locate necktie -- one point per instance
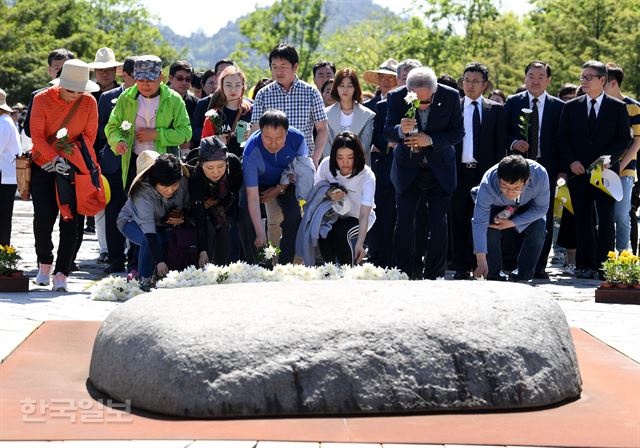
(534, 129)
(592, 116)
(476, 129)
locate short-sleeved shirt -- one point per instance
(302, 104)
(361, 188)
(262, 168)
(633, 109)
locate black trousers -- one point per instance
(7, 197)
(380, 237)
(424, 192)
(541, 265)
(45, 213)
(336, 246)
(593, 244)
(461, 213)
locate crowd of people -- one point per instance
(425, 174)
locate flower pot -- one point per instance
(630, 296)
(14, 282)
(606, 285)
(621, 285)
(636, 286)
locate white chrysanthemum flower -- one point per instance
(410, 97)
(210, 113)
(125, 126)
(269, 252)
(62, 133)
(561, 182)
(527, 111)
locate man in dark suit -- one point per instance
(540, 143)
(111, 167)
(424, 168)
(483, 146)
(592, 125)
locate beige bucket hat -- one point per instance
(75, 77)
(3, 102)
(105, 58)
(388, 67)
(144, 162)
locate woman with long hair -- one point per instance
(227, 108)
(353, 186)
(348, 113)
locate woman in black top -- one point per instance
(213, 189)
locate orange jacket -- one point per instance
(47, 113)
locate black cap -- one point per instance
(212, 148)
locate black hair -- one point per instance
(477, 67)
(61, 54)
(538, 64)
(166, 171)
(353, 76)
(614, 71)
(499, 93)
(219, 62)
(447, 80)
(274, 118)
(325, 84)
(286, 52)
(196, 80)
(514, 168)
(128, 65)
(349, 140)
(180, 65)
(321, 64)
(568, 89)
(260, 85)
(599, 67)
(206, 75)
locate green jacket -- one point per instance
(172, 123)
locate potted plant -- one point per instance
(621, 279)
(11, 279)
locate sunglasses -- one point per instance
(182, 79)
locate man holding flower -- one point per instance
(423, 171)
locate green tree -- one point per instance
(297, 22)
(30, 29)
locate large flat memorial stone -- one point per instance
(336, 347)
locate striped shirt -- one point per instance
(302, 104)
(633, 109)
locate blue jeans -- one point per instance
(533, 239)
(146, 263)
(621, 215)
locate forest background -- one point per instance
(443, 34)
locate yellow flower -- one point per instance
(625, 254)
(11, 250)
(612, 255)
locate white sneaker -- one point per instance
(569, 269)
(59, 282)
(44, 274)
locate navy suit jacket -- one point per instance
(445, 126)
(493, 136)
(110, 163)
(611, 136)
(197, 120)
(550, 151)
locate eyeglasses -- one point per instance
(589, 77)
(511, 190)
(473, 82)
(182, 79)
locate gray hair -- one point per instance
(408, 65)
(422, 77)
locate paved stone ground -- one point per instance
(22, 313)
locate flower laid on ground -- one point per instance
(621, 269)
(216, 120)
(118, 289)
(267, 254)
(63, 144)
(125, 127)
(9, 258)
(525, 123)
(412, 100)
(115, 289)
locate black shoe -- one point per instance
(114, 267)
(586, 273)
(103, 258)
(515, 278)
(542, 275)
(502, 277)
(461, 275)
(74, 267)
(90, 229)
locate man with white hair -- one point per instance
(426, 128)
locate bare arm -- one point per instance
(321, 141)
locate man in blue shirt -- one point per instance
(267, 155)
(513, 193)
